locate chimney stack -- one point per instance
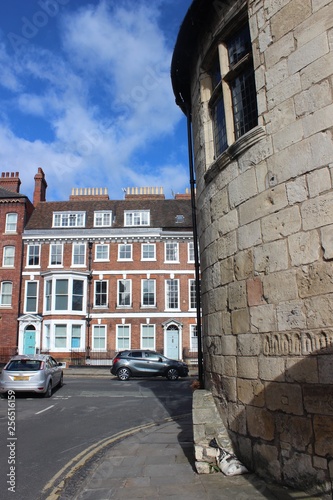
(10, 181)
(40, 187)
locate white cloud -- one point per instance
(105, 96)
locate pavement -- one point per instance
(156, 461)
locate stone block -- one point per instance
(229, 364)
(286, 89)
(203, 468)
(249, 235)
(284, 397)
(298, 470)
(323, 431)
(319, 181)
(250, 392)
(289, 17)
(327, 241)
(312, 99)
(297, 191)
(247, 367)
(260, 423)
(288, 135)
(279, 225)
(263, 318)
(318, 399)
(290, 316)
(237, 295)
(242, 188)
(319, 311)
(302, 370)
(271, 257)
(317, 212)
(249, 345)
(229, 345)
(279, 49)
(271, 369)
(227, 245)
(304, 247)
(308, 53)
(243, 264)
(265, 203)
(274, 292)
(319, 70)
(227, 270)
(237, 418)
(281, 116)
(240, 321)
(325, 369)
(255, 292)
(316, 279)
(318, 121)
(228, 222)
(295, 431)
(266, 461)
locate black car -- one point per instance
(146, 363)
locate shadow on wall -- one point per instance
(283, 428)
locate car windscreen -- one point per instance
(30, 365)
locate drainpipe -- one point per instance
(88, 318)
(196, 246)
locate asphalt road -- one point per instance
(50, 434)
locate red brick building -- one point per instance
(101, 275)
(15, 211)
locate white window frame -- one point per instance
(80, 254)
(100, 328)
(126, 291)
(106, 254)
(128, 344)
(50, 300)
(106, 293)
(153, 336)
(190, 252)
(27, 283)
(4, 294)
(69, 219)
(130, 246)
(168, 283)
(11, 223)
(152, 245)
(193, 344)
(34, 256)
(103, 218)
(142, 292)
(191, 283)
(72, 336)
(136, 218)
(49, 331)
(60, 247)
(8, 260)
(167, 252)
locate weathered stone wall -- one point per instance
(266, 242)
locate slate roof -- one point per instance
(6, 193)
(162, 213)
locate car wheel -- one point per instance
(48, 392)
(61, 381)
(172, 374)
(123, 374)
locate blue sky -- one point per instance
(85, 93)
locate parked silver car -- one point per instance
(39, 373)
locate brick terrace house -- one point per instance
(102, 275)
(15, 210)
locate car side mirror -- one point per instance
(160, 360)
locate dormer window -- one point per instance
(69, 219)
(137, 218)
(103, 219)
